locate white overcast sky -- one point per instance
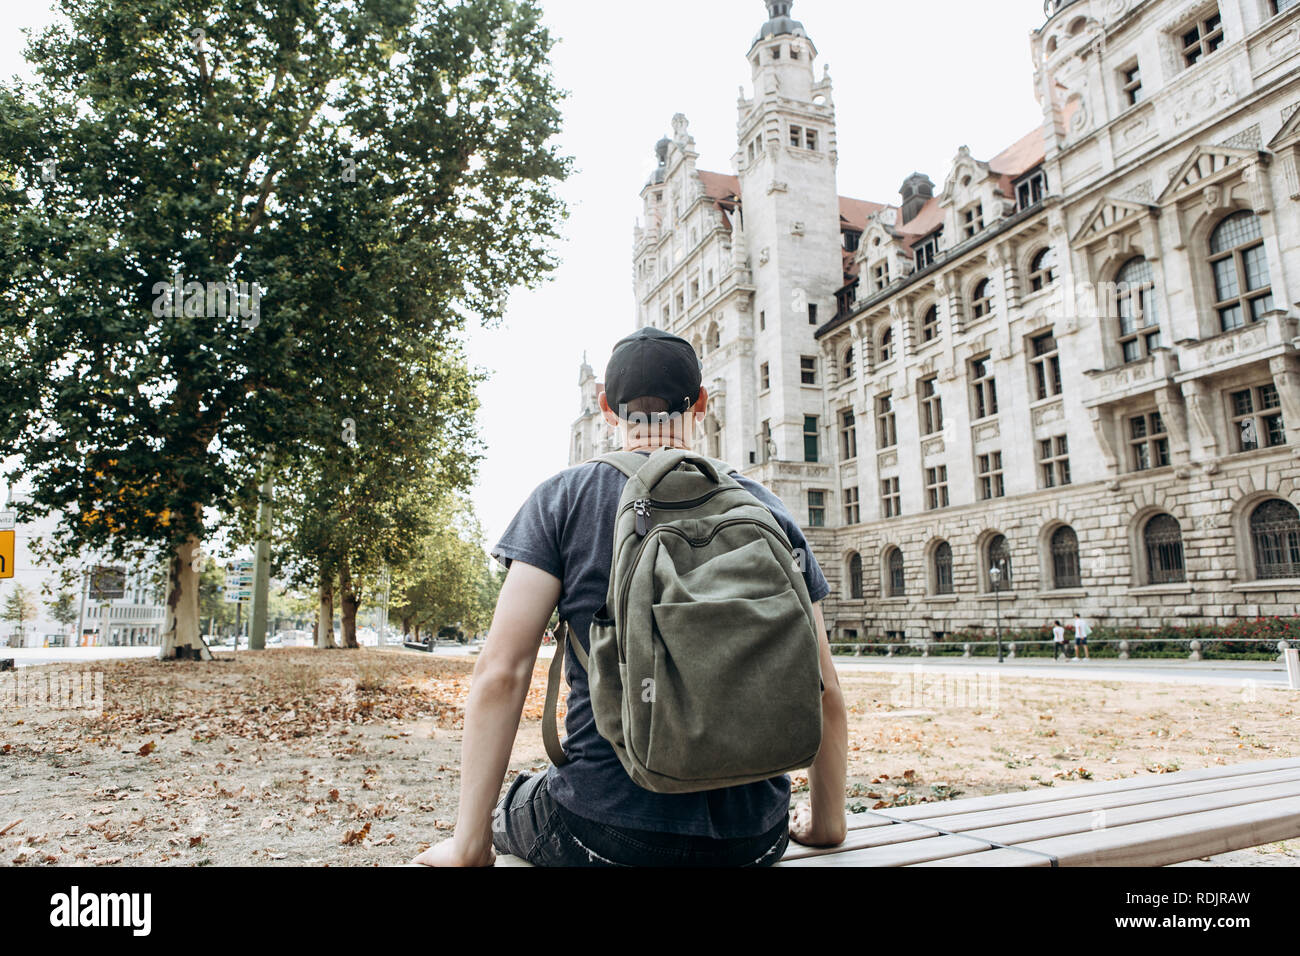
(913, 82)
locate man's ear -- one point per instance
(606, 411)
(701, 405)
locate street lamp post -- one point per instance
(995, 573)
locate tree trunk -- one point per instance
(182, 637)
(325, 617)
(350, 602)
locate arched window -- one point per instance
(943, 568)
(1042, 269)
(887, 344)
(999, 556)
(1275, 535)
(714, 337)
(896, 586)
(855, 577)
(848, 367)
(930, 324)
(981, 300)
(1065, 558)
(1241, 285)
(1135, 308)
(1163, 538)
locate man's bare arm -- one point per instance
(496, 701)
(821, 822)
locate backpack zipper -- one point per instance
(643, 506)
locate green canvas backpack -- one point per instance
(704, 666)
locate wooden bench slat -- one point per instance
(1156, 842)
(936, 847)
(1087, 802)
(1018, 834)
(890, 832)
(996, 801)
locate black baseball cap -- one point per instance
(652, 363)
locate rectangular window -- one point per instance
(1148, 441)
(708, 282)
(989, 468)
(681, 302)
(1054, 461)
(848, 435)
(1202, 38)
(1280, 6)
(984, 389)
(1257, 418)
(926, 251)
(891, 502)
(816, 509)
(812, 313)
(972, 220)
(764, 377)
(1031, 190)
(1046, 362)
(1131, 84)
(880, 275)
(796, 136)
(810, 450)
(668, 316)
(852, 513)
(936, 487)
(762, 321)
(695, 289)
(808, 369)
(766, 446)
(886, 430)
(810, 138)
(931, 406)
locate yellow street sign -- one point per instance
(6, 554)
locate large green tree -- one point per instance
(372, 171)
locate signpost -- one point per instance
(239, 590)
(7, 521)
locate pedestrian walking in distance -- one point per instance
(1081, 632)
(1058, 641)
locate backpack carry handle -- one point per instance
(666, 460)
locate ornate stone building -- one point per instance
(1069, 375)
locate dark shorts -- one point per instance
(1080, 640)
(529, 824)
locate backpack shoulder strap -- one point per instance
(628, 462)
(550, 736)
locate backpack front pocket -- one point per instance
(749, 701)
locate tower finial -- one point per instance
(778, 8)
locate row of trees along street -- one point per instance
(379, 173)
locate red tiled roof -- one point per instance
(719, 186)
(855, 212)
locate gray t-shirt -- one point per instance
(566, 528)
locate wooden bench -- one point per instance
(1151, 820)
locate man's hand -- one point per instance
(451, 853)
(803, 829)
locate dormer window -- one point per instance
(927, 250)
(880, 275)
(972, 220)
(1031, 190)
(852, 240)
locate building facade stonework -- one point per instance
(1066, 379)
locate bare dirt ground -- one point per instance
(350, 757)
